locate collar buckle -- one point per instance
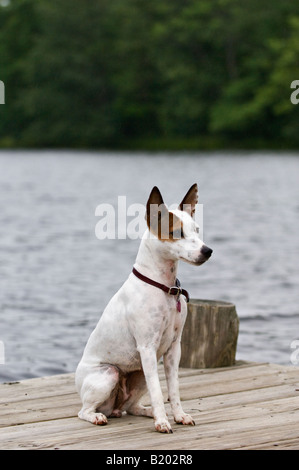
(175, 290)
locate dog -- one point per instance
(143, 322)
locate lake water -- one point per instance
(56, 276)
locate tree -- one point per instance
(114, 73)
(248, 100)
(18, 25)
(68, 94)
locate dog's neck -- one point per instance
(151, 263)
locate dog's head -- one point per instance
(177, 230)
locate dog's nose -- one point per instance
(206, 251)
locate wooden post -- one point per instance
(210, 334)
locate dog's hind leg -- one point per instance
(98, 394)
(137, 388)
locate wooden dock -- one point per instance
(247, 406)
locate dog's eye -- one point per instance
(177, 234)
(197, 229)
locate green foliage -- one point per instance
(158, 73)
(68, 96)
(18, 24)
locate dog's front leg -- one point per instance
(171, 366)
(150, 368)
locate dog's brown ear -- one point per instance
(190, 200)
(155, 212)
(157, 215)
(155, 197)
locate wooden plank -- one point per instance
(66, 401)
(199, 412)
(213, 435)
(242, 398)
(33, 392)
(281, 444)
(135, 438)
(254, 406)
(65, 383)
(37, 388)
(29, 409)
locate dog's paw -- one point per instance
(116, 414)
(99, 419)
(162, 425)
(184, 419)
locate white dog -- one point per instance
(143, 322)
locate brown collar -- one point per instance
(175, 290)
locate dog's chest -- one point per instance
(170, 327)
